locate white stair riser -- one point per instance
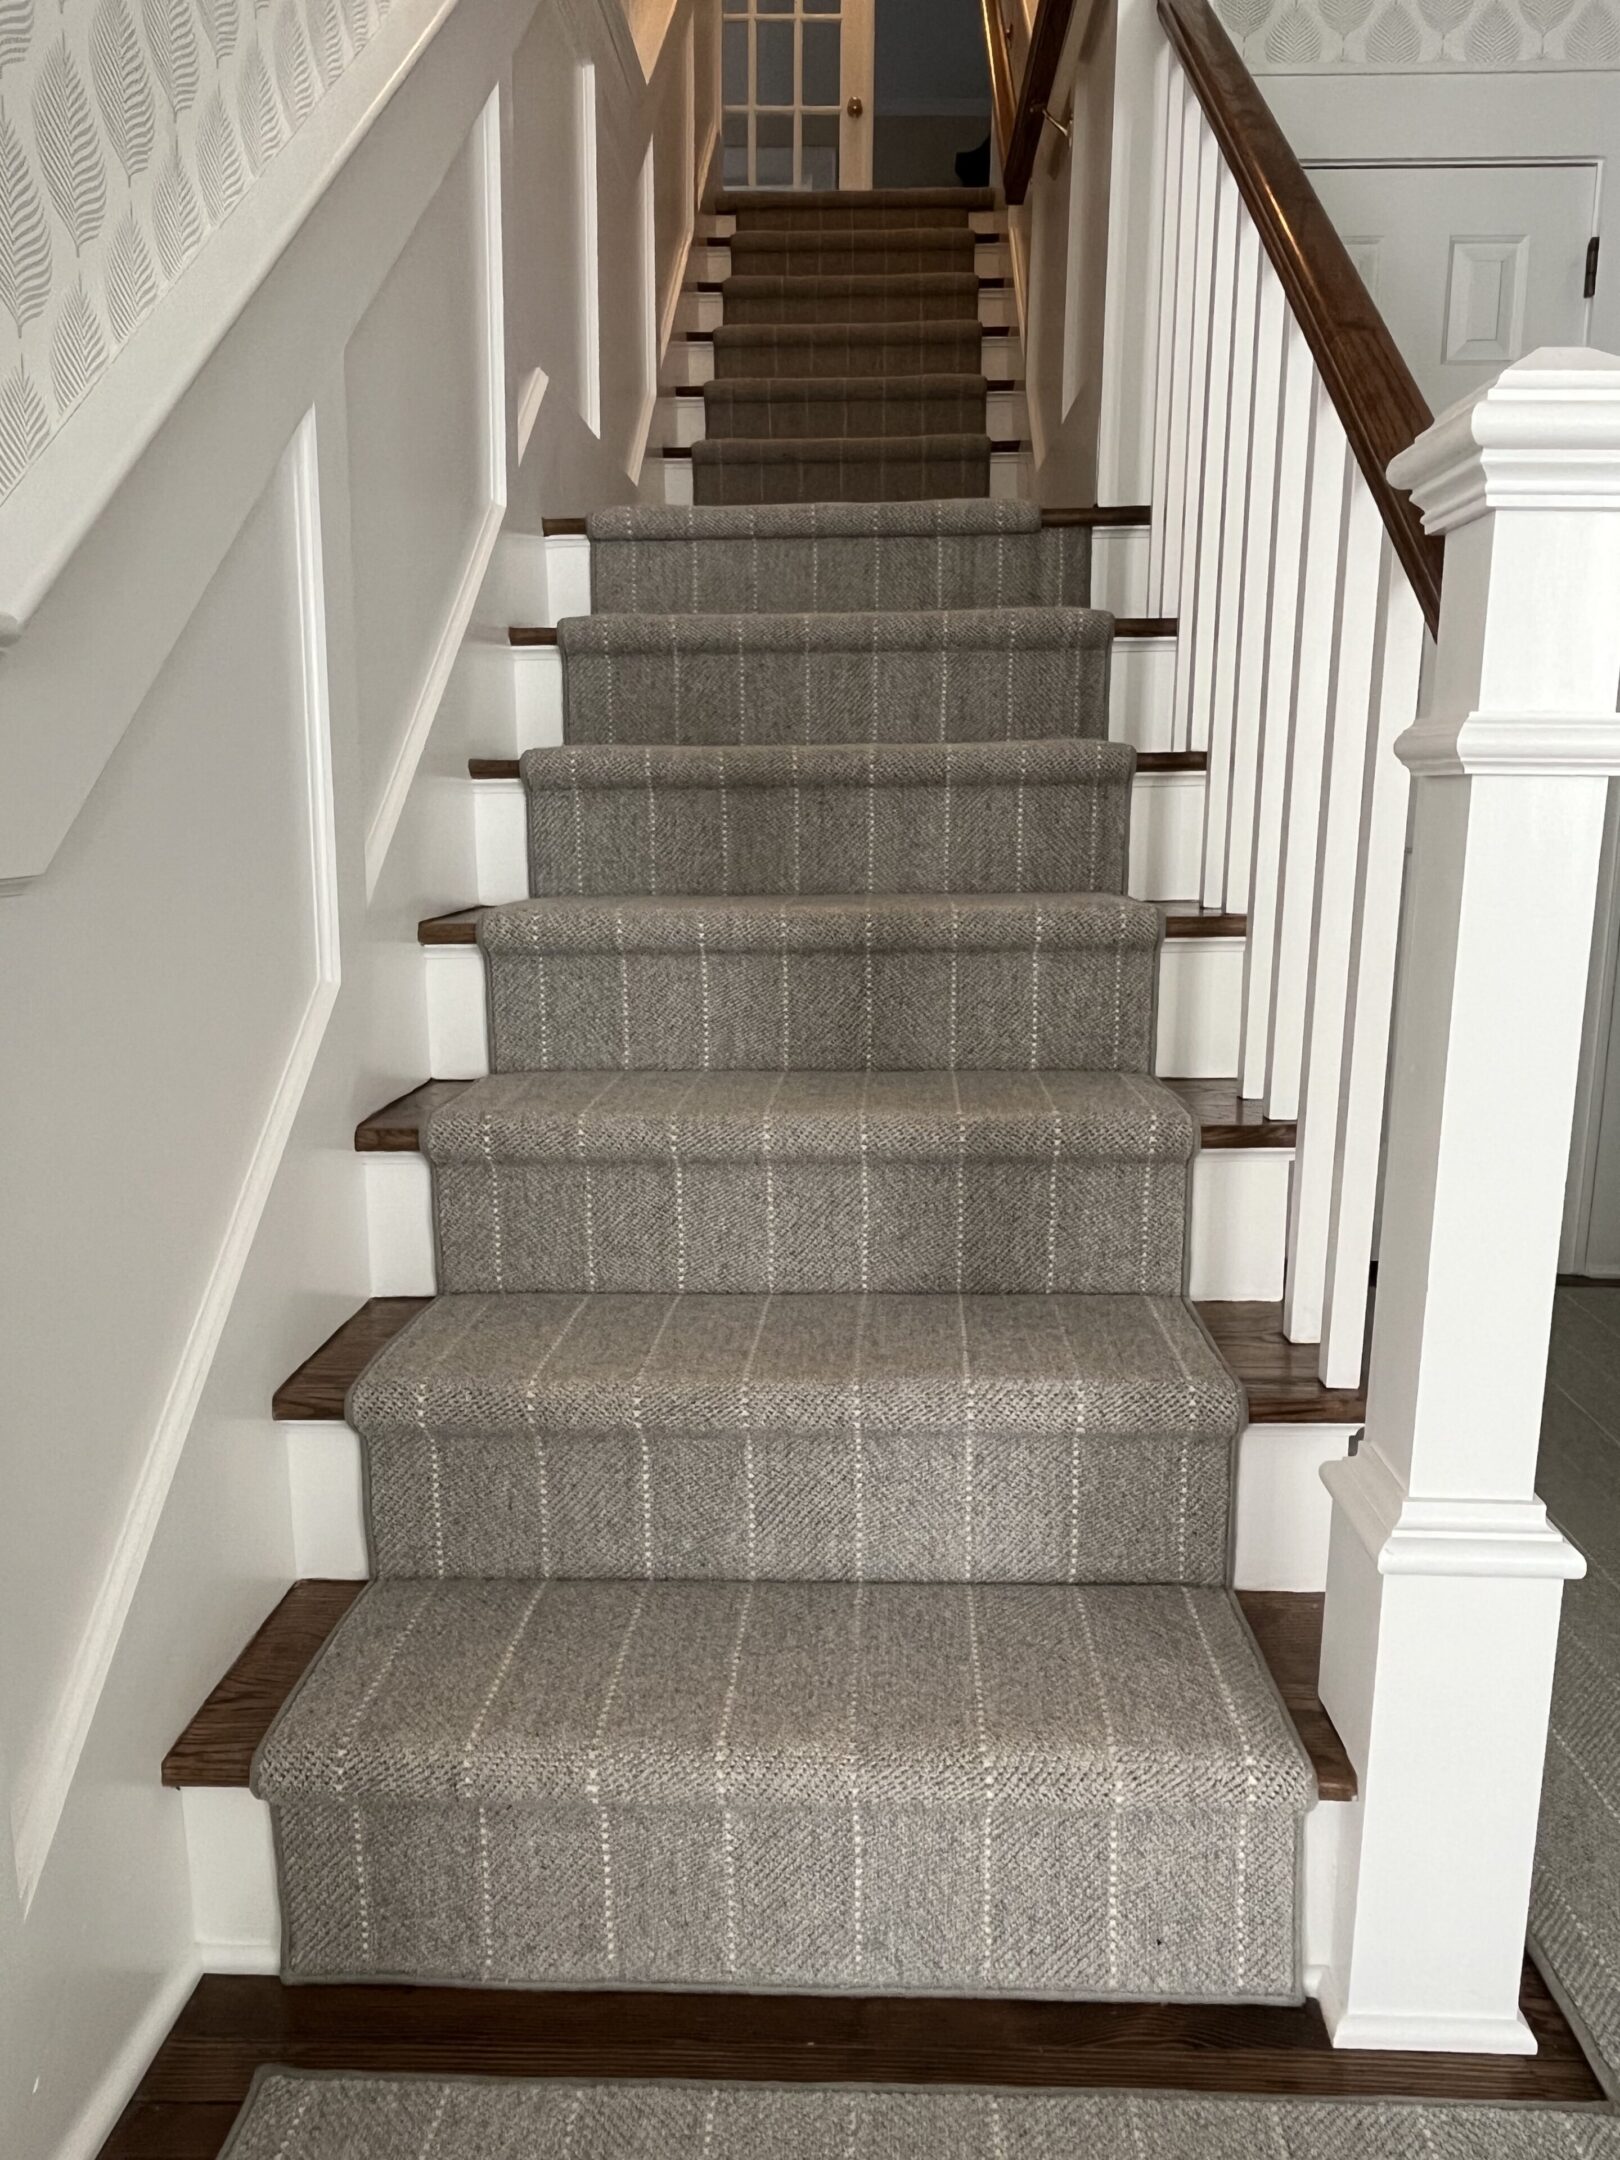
(238, 1923)
(1239, 1218)
(1167, 813)
(1281, 1536)
(1200, 997)
(1119, 569)
(1141, 679)
(691, 365)
(682, 421)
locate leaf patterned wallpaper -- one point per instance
(1282, 36)
(129, 131)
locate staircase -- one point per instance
(801, 1523)
(848, 348)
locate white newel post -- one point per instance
(1445, 1577)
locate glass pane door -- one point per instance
(797, 88)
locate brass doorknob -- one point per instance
(855, 108)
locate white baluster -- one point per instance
(1251, 630)
(1211, 357)
(1193, 135)
(1444, 1576)
(1371, 986)
(1195, 658)
(1354, 638)
(1287, 570)
(1302, 811)
(1171, 198)
(1223, 658)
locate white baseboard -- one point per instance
(113, 2090)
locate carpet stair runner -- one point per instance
(802, 1522)
(292, 2116)
(829, 559)
(848, 367)
(896, 675)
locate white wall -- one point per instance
(230, 713)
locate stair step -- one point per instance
(1198, 999)
(841, 982)
(859, 1776)
(967, 1181)
(845, 351)
(914, 297)
(835, 209)
(817, 407)
(929, 1439)
(1182, 919)
(977, 817)
(834, 558)
(814, 250)
(851, 676)
(840, 468)
(1225, 1121)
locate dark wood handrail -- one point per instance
(1381, 408)
(1020, 105)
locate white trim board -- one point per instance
(42, 1785)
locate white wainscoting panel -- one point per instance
(210, 1054)
(426, 389)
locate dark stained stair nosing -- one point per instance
(1147, 761)
(1125, 626)
(1224, 1120)
(218, 1745)
(1279, 1376)
(1182, 919)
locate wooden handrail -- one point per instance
(1020, 106)
(1003, 95)
(1380, 407)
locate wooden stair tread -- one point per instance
(218, 1746)
(1225, 1121)
(1095, 514)
(1125, 626)
(1182, 919)
(1279, 1376)
(1147, 761)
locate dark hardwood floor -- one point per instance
(233, 2024)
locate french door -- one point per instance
(797, 89)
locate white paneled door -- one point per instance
(1472, 266)
(798, 93)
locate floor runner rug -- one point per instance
(294, 2117)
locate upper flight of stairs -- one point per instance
(845, 352)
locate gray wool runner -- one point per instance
(1575, 1910)
(300, 2117)
(802, 1523)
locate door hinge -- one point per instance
(1590, 287)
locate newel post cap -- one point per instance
(1545, 435)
